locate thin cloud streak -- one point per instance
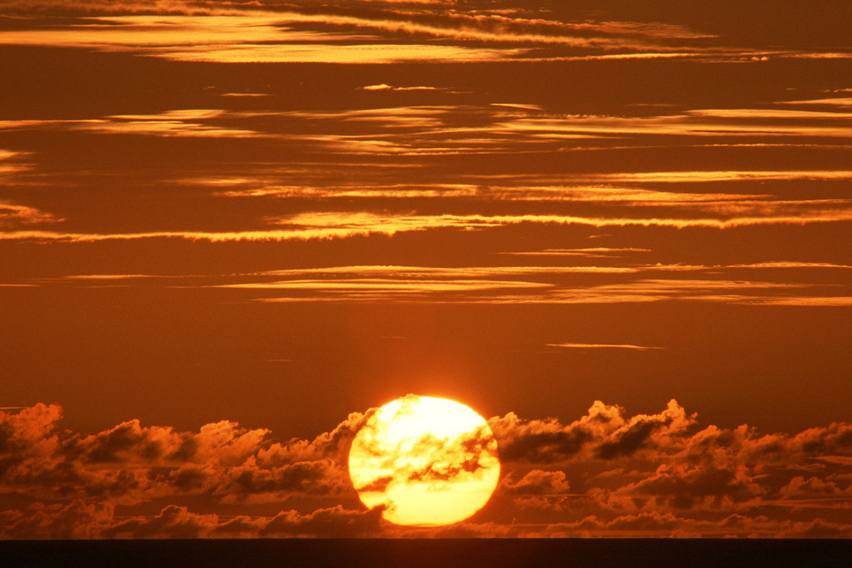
(337, 226)
(719, 176)
(506, 285)
(603, 346)
(377, 53)
(593, 252)
(387, 285)
(409, 276)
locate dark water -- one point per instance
(430, 553)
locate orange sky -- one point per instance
(229, 227)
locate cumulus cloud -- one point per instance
(131, 463)
(606, 473)
(79, 520)
(604, 432)
(537, 482)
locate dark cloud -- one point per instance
(172, 522)
(132, 463)
(678, 488)
(605, 431)
(30, 429)
(74, 520)
(537, 482)
(336, 522)
(606, 473)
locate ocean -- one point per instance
(430, 553)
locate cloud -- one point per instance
(172, 522)
(607, 473)
(654, 475)
(719, 176)
(841, 102)
(682, 487)
(656, 525)
(385, 87)
(335, 522)
(76, 520)
(377, 32)
(800, 488)
(537, 482)
(185, 123)
(247, 37)
(28, 429)
(340, 54)
(591, 252)
(132, 464)
(771, 283)
(79, 520)
(602, 346)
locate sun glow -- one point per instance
(429, 461)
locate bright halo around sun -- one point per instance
(430, 461)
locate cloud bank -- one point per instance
(605, 474)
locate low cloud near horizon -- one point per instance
(605, 474)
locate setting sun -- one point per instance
(430, 461)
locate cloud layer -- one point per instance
(605, 474)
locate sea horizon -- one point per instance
(414, 553)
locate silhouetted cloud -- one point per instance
(606, 473)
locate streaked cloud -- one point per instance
(182, 123)
(328, 225)
(12, 214)
(633, 197)
(238, 32)
(720, 176)
(248, 37)
(591, 252)
(384, 87)
(744, 292)
(389, 286)
(603, 346)
(841, 102)
(501, 285)
(378, 53)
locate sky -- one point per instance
(618, 230)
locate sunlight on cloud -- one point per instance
(12, 214)
(325, 225)
(603, 346)
(258, 37)
(379, 53)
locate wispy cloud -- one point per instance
(12, 215)
(349, 33)
(721, 176)
(385, 87)
(328, 225)
(376, 53)
(589, 252)
(195, 123)
(603, 346)
(247, 37)
(501, 285)
(841, 102)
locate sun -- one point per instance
(429, 461)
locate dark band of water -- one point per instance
(498, 553)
